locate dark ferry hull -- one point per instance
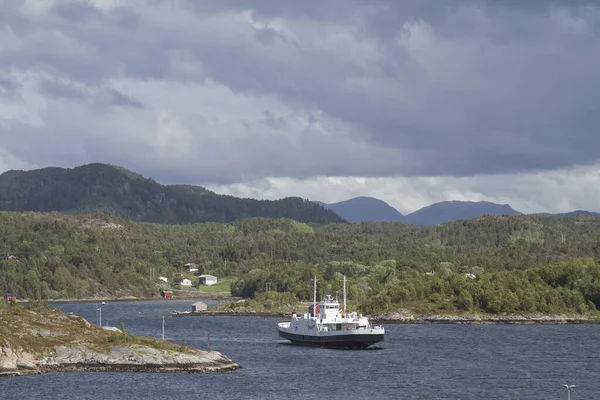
(351, 341)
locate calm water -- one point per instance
(415, 362)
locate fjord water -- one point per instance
(415, 362)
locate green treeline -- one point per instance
(494, 264)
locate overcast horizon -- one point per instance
(411, 102)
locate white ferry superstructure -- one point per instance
(331, 326)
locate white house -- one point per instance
(191, 267)
(207, 279)
(186, 282)
(164, 279)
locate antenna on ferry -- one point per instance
(344, 296)
(315, 298)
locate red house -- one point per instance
(166, 294)
(10, 297)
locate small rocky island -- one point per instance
(37, 340)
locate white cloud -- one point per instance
(411, 101)
(552, 191)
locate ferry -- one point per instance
(326, 325)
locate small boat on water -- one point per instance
(326, 325)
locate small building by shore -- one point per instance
(199, 306)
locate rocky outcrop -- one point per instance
(119, 358)
(36, 340)
(16, 362)
(406, 317)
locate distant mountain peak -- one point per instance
(446, 211)
(363, 208)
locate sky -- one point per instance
(412, 102)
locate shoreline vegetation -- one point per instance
(487, 266)
(37, 339)
(199, 297)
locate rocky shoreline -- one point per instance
(37, 339)
(120, 358)
(406, 317)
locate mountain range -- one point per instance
(370, 209)
(117, 191)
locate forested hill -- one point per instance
(495, 264)
(361, 209)
(116, 191)
(445, 211)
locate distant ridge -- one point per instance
(446, 211)
(576, 212)
(117, 191)
(361, 209)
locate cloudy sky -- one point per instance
(412, 101)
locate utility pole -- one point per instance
(568, 388)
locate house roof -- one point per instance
(199, 303)
(207, 276)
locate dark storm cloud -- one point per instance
(56, 89)
(77, 11)
(417, 87)
(120, 99)
(506, 70)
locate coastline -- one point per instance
(400, 317)
(200, 296)
(408, 318)
(35, 340)
(119, 358)
(476, 319)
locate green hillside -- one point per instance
(518, 263)
(117, 191)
